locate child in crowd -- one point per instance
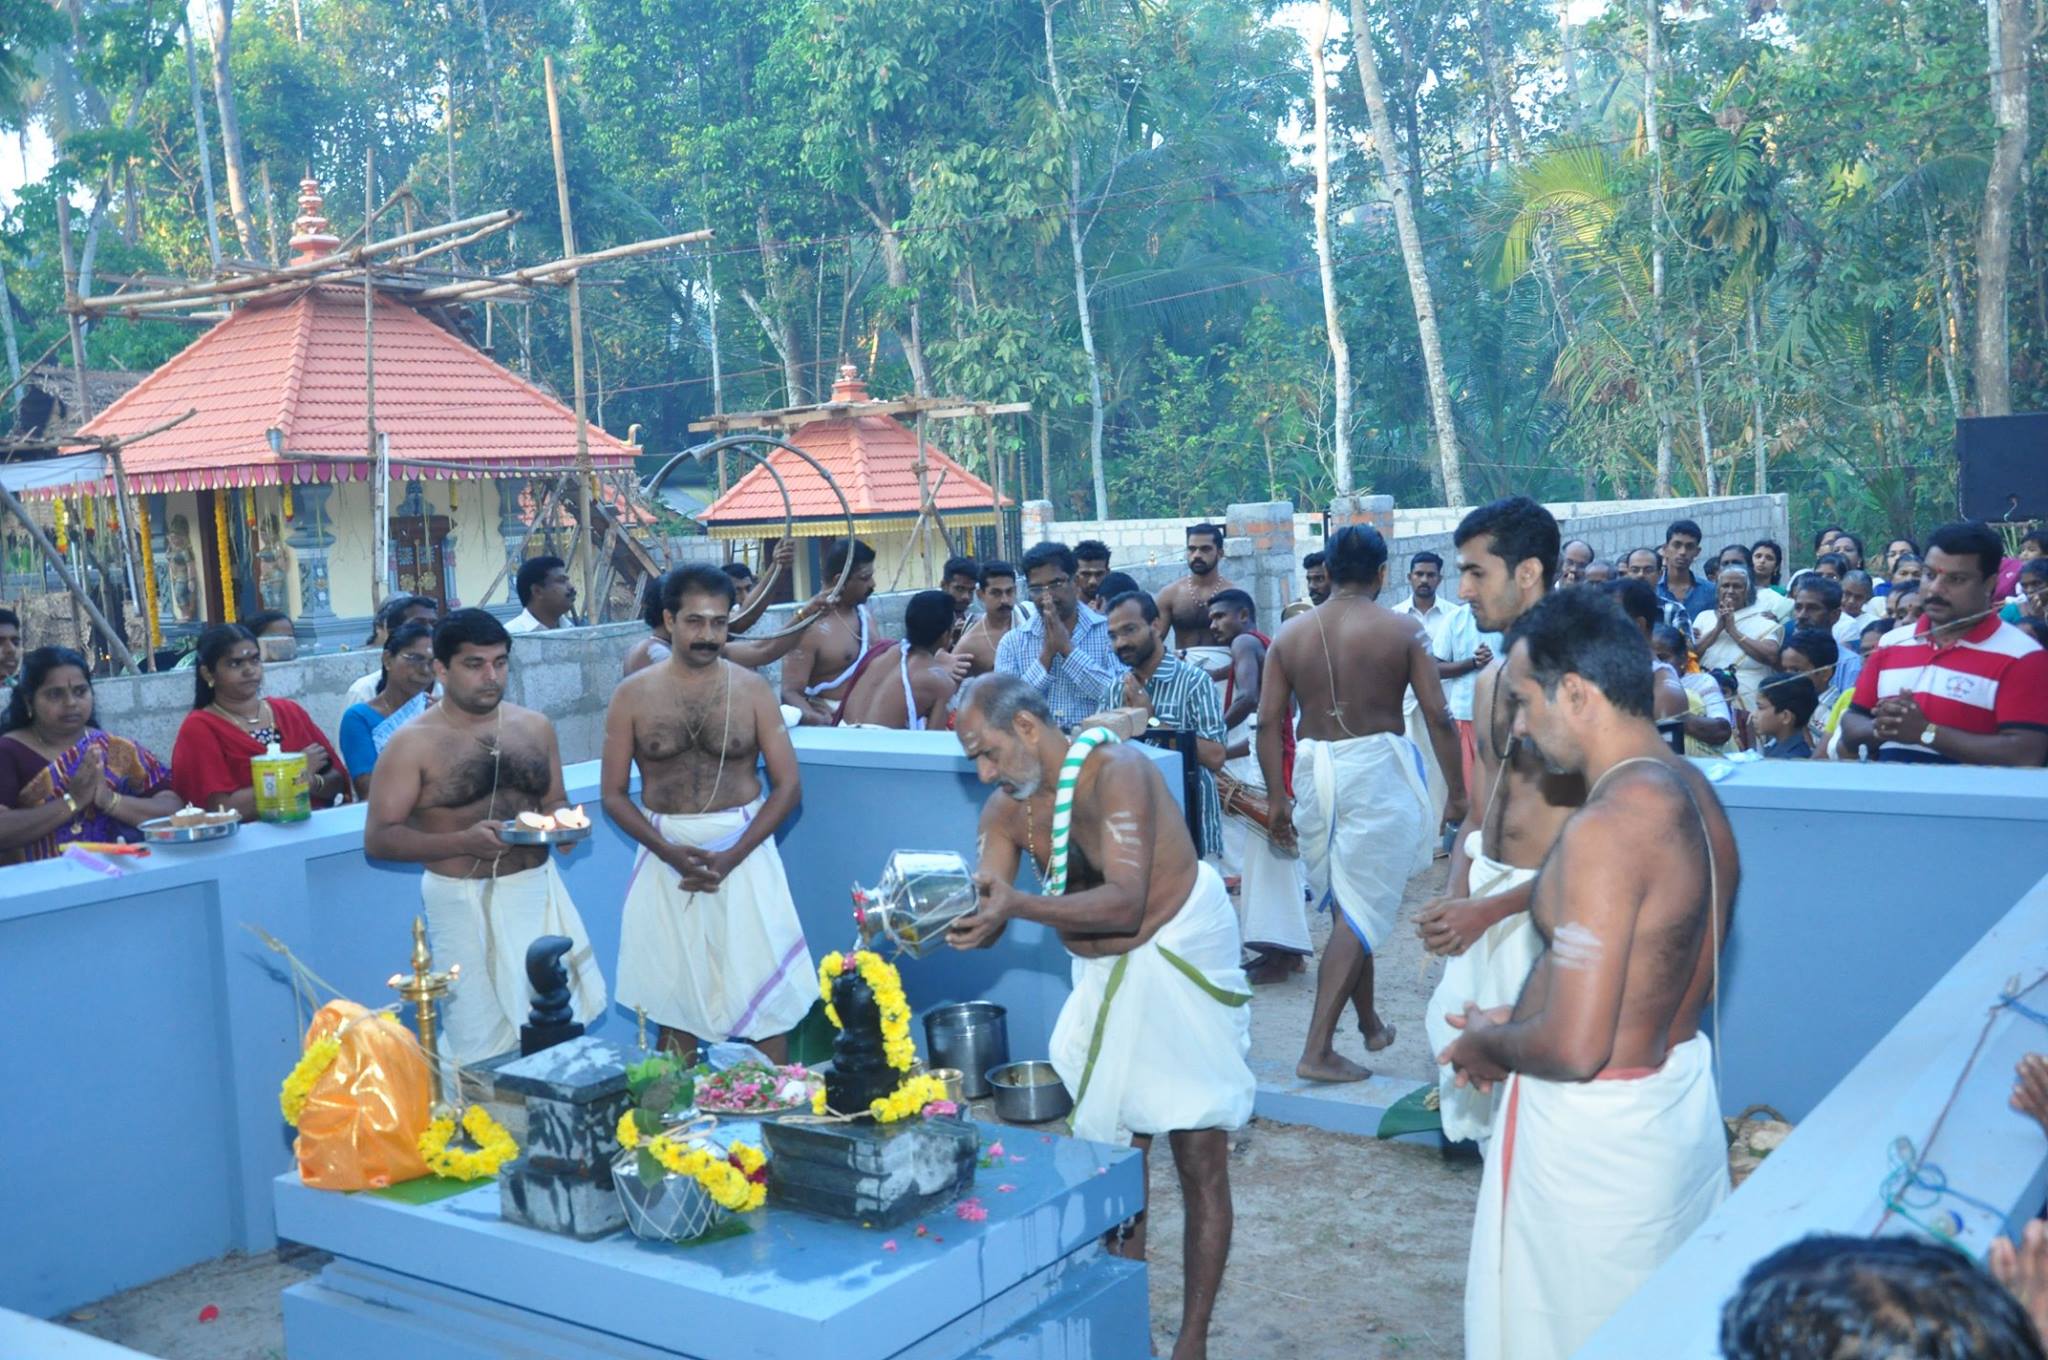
(2030, 600)
(1784, 706)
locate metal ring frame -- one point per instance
(740, 442)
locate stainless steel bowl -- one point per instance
(1029, 1092)
(161, 831)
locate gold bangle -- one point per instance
(71, 803)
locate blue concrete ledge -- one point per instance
(456, 1274)
(1828, 1176)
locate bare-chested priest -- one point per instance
(709, 943)
(1360, 810)
(1152, 1039)
(1185, 602)
(909, 686)
(817, 675)
(1507, 558)
(446, 783)
(1608, 1148)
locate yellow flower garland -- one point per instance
(629, 1131)
(494, 1146)
(222, 547)
(149, 600)
(298, 1084)
(59, 531)
(887, 985)
(728, 1179)
(908, 1099)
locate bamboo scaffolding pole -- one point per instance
(547, 506)
(27, 369)
(116, 644)
(306, 270)
(380, 551)
(124, 525)
(569, 263)
(583, 472)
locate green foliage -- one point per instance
(889, 179)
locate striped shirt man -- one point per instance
(1992, 679)
(1184, 698)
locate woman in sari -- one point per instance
(400, 697)
(62, 779)
(231, 723)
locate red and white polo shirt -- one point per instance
(1993, 678)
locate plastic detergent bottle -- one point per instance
(282, 791)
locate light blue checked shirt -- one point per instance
(1073, 688)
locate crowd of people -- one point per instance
(1521, 712)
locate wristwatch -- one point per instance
(1927, 735)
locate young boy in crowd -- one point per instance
(1784, 705)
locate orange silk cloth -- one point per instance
(363, 1119)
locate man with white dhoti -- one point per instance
(446, 785)
(1507, 559)
(1154, 1036)
(1360, 809)
(1271, 882)
(709, 943)
(1607, 1148)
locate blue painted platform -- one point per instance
(452, 1280)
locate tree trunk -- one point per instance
(1517, 153)
(774, 318)
(1761, 446)
(1948, 324)
(223, 12)
(205, 145)
(1333, 321)
(7, 334)
(1652, 21)
(1044, 458)
(1075, 244)
(1699, 406)
(2007, 33)
(1449, 457)
(1575, 102)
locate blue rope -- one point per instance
(2011, 1001)
(1908, 1174)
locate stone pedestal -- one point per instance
(573, 1095)
(876, 1175)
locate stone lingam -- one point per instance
(860, 1169)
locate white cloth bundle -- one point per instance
(1143, 1046)
(1490, 973)
(485, 925)
(1362, 815)
(1591, 1185)
(717, 965)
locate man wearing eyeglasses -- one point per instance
(1063, 652)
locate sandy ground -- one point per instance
(1345, 1249)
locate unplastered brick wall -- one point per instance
(1144, 547)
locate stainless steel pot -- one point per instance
(973, 1037)
(1029, 1093)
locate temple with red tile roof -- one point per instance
(274, 462)
(873, 458)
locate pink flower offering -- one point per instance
(1015, 1160)
(970, 1211)
(1006, 1189)
(889, 1245)
(941, 1109)
(995, 1149)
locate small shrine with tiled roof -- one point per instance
(262, 497)
(873, 457)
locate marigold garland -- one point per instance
(149, 597)
(494, 1146)
(59, 530)
(908, 1099)
(298, 1084)
(737, 1181)
(222, 546)
(887, 985)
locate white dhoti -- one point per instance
(1490, 973)
(1269, 894)
(1155, 1040)
(1590, 1187)
(1361, 814)
(1432, 772)
(717, 965)
(1214, 661)
(485, 925)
